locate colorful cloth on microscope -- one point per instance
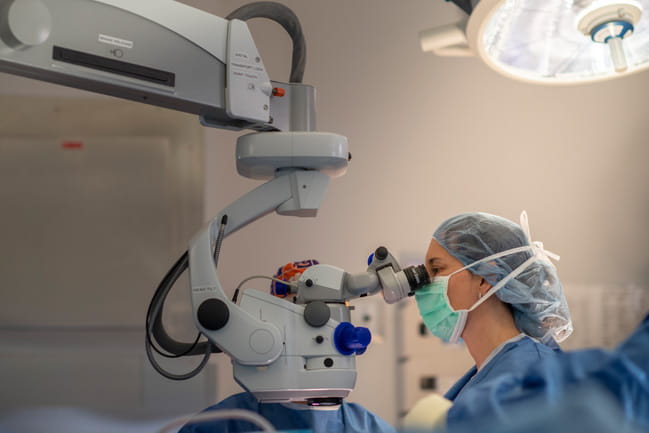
(346, 418)
(289, 272)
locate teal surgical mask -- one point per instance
(436, 311)
(435, 308)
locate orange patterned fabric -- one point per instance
(289, 272)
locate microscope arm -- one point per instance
(248, 339)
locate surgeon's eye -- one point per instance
(433, 271)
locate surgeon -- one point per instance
(342, 418)
(496, 290)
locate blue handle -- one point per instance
(350, 339)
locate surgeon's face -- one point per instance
(463, 287)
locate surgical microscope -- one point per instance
(165, 53)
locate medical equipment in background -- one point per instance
(549, 41)
(165, 53)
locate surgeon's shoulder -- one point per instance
(534, 350)
(515, 358)
(359, 419)
(544, 350)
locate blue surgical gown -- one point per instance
(481, 389)
(597, 387)
(346, 418)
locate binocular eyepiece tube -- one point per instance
(403, 283)
(417, 277)
(398, 284)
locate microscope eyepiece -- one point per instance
(417, 276)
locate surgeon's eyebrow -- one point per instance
(432, 260)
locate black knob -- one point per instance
(317, 313)
(309, 282)
(381, 253)
(213, 314)
(328, 362)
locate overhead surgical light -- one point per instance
(549, 41)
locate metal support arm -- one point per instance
(248, 339)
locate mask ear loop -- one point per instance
(484, 297)
(538, 250)
(515, 273)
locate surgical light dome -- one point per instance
(550, 41)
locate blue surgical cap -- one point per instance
(536, 296)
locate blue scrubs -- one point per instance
(586, 390)
(346, 418)
(480, 390)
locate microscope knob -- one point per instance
(213, 314)
(317, 314)
(350, 339)
(381, 253)
(25, 23)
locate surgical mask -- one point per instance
(435, 308)
(436, 311)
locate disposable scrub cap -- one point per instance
(536, 296)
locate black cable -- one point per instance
(219, 239)
(155, 311)
(168, 280)
(287, 19)
(176, 348)
(465, 5)
(156, 303)
(172, 376)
